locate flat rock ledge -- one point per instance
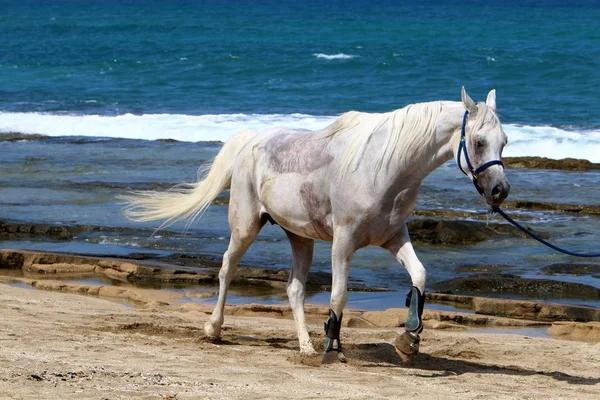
(516, 285)
(565, 164)
(46, 270)
(565, 208)
(40, 265)
(423, 230)
(453, 232)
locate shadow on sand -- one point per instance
(382, 355)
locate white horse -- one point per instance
(353, 183)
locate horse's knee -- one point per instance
(228, 268)
(295, 291)
(224, 273)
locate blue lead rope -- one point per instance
(539, 239)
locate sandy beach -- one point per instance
(73, 346)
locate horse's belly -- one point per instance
(298, 207)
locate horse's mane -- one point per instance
(407, 130)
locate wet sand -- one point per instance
(73, 346)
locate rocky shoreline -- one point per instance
(565, 164)
(422, 230)
(50, 271)
(431, 227)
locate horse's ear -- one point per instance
(491, 100)
(467, 101)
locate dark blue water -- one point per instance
(215, 57)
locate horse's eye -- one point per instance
(479, 143)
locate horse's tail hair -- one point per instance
(188, 200)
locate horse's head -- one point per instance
(479, 152)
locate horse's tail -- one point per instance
(188, 200)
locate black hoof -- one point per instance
(333, 356)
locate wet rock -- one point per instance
(586, 332)
(532, 310)
(536, 205)
(20, 230)
(432, 319)
(449, 214)
(449, 232)
(565, 164)
(509, 230)
(17, 137)
(521, 309)
(493, 268)
(61, 268)
(512, 284)
(11, 260)
(573, 269)
(153, 272)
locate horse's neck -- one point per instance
(439, 149)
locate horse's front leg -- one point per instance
(342, 251)
(407, 344)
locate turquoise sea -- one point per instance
(101, 80)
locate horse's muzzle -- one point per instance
(498, 193)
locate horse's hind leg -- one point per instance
(302, 249)
(407, 344)
(245, 223)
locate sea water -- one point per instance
(103, 80)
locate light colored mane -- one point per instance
(407, 131)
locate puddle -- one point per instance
(21, 285)
(541, 332)
(365, 301)
(241, 295)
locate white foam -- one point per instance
(550, 142)
(339, 56)
(542, 141)
(190, 128)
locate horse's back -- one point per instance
(287, 172)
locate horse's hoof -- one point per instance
(212, 339)
(333, 356)
(406, 359)
(407, 346)
(211, 331)
(308, 352)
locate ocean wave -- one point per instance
(541, 141)
(339, 56)
(551, 142)
(189, 128)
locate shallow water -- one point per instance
(541, 333)
(76, 181)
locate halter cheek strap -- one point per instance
(462, 149)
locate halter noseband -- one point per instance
(462, 148)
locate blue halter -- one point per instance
(462, 148)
